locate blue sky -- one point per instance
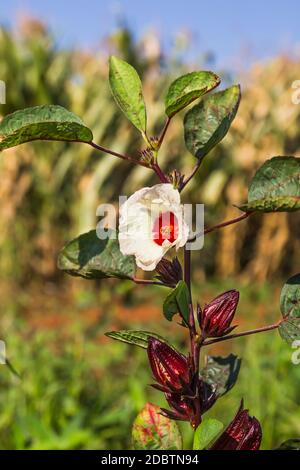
(235, 31)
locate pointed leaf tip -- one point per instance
(47, 122)
(186, 89)
(126, 88)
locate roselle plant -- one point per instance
(151, 223)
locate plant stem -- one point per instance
(164, 131)
(149, 282)
(221, 225)
(188, 178)
(163, 178)
(119, 155)
(194, 338)
(192, 325)
(245, 333)
(155, 167)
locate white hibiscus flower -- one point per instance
(151, 222)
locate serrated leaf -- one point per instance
(275, 186)
(206, 433)
(91, 258)
(290, 308)
(46, 122)
(221, 372)
(207, 123)
(177, 302)
(184, 90)
(126, 88)
(152, 431)
(137, 338)
(291, 444)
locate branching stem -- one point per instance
(245, 333)
(188, 178)
(221, 225)
(164, 131)
(150, 282)
(119, 155)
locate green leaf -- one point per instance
(46, 122)
(206, 433)
(207, 123)
(152, 431)
(177, 302)
(137, 338)
(290, 297)
(275, 186)
(291, 444)
(126, 88)
(290, 308)
(221, 372)
(188, 88)
(89, 257)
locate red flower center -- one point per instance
(165, 227)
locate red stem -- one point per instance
(221, 225)
(119, 155)
(149, 282)
(245, 333)
(188, 178)
(163, 178)
(164, 131)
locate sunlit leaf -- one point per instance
(188, 88)
(275, 186)
(152, 431)
(137, 338)
(46, 122)
(207, 123)
(206, 432)
(126, 88)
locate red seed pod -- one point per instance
(169, 367)
(243, 433)
(216, 317)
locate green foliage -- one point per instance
(152, 431)
(126, 88)
(291, 444)
(186, 89)
(89, 257)
(47, 122)
(177, 301)
(207, 123)
(106, 261)
(290, 309)
(275, 186)
(66, 377)
(206, 433)
(137, 338)
(221, 372)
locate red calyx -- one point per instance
(243, 433)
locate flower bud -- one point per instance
(169, 272)
(243, 433)
(216, 317)
(169, 367)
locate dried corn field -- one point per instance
(50, 191)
